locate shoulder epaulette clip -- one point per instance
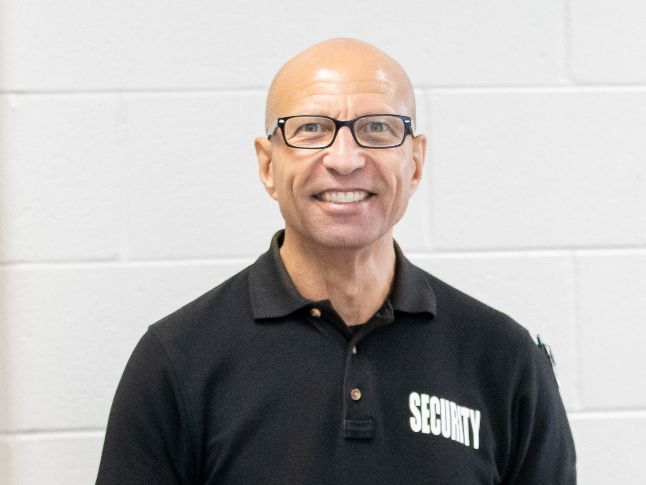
(547, 350)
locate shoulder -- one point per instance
(212, 315)
(501, 350)
(472, 327)
(461, 310)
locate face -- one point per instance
(343, 196)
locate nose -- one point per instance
(344, 156)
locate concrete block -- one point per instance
(612, 328)
(538, 169)
(193, 185)
(477, 43)
(534, 289)
(129, 45)
(51, 458)
(610, 447)
(67, 332)
(608, 41)
(60, 197)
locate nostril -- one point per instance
(343, 165)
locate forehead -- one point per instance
(341, 78)
(343, 93)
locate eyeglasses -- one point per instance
(369, 131)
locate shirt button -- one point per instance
(354, 349)
(315, 313)
(355, 394)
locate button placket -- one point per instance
(358, 421)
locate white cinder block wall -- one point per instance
(128, 187)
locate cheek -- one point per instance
(399, 171)
(282, 175)
(290, 183)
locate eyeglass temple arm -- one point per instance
(411, 126)
(272, 127)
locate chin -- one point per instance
(346, 239)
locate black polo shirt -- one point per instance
(253, 384)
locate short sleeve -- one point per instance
(147, 439)
(543, 449)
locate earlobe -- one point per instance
(265, 165)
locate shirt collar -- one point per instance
(274, 295)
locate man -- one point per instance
(332, 359)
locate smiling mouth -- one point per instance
(340, 197)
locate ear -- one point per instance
(265, 166)
(419, 155)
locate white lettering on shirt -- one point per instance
(439, 416)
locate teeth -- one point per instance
(344, 197)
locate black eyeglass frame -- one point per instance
(280, 123)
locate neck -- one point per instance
(355, 280)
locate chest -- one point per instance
(392, 407)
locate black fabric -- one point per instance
(253, 384)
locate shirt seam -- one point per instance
(184, 404)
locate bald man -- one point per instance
(332, 359)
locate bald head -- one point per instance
(344, 68)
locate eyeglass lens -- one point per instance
(371, 131)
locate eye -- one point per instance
(377, 127)
(311, 127)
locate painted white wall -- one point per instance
(128, 186)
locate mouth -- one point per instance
(343, 197)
